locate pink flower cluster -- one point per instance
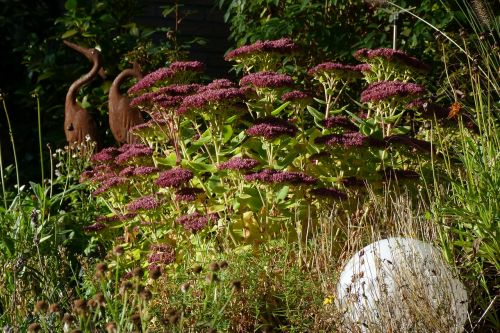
(339, 121)
(342, 70)
(148, 202)
(95, 227)
(348, 139)
(391, 55)
(295, 95)
(145, 170)
(239, 163)
(218, 84)
(267, 80)
(131, 151)
(108, 183)
(270, 128)
(278, 177)
(174, 91)
(195, 222)
(390, 89)
(204, 98)
(166, 73)
(281, 46)
(331, 193)
(188, 194)
(161, 254)
(174, 177)
(105, 155)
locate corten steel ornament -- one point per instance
(121, 115)
(77, 121)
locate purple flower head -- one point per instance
(348, 139)
(276, 176)
(239, 163)
(187, 66)
(188, 194)
(108, 183)
(86, 175)
(171, 90)
(282, 46)
(168, 102)
(174, 177)
(133, 151)
(148, 127)
(150, 79)
(128, 171)
(339, 121)
(218, 84)
(391, 55)
(330, 193)
(161, 254)
(335, 69)
(207, 97)
(145, 170)
(106, 155)
(271, 128)
(390, 89)
(195, 222)
(165, 73)
(148, 202)
(295, 96)
(95, 227)
(267, 80)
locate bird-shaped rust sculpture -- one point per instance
(121, 115)
(77, 121)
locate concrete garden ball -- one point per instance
(400, 285)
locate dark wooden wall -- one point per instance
(204, 19)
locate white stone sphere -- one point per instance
(400, 285)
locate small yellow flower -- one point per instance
(328, 300)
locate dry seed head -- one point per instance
(214, 267)
(76, 331)
(197, 269)
(136, 319)
(67, 318)
(111, 327)
(223, 264)
(236, 285)
(155, 272)
(126, 286)
(185, 287)
(80, 306)
(41, 307)
(100, 270)
(145, 294)
(35, 327)
(54, 308)
(99, 299)
(119, 250)
(138, 272)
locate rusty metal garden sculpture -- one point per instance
(78, 123)
(121, 115)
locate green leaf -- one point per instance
(282, 193)
(69, 33)
(279, 109)
(227, 132)
(71, 4)
(315, 113)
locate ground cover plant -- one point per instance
(243, 200)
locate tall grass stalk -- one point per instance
(40, 136)
(4, 193)
(11, 136)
